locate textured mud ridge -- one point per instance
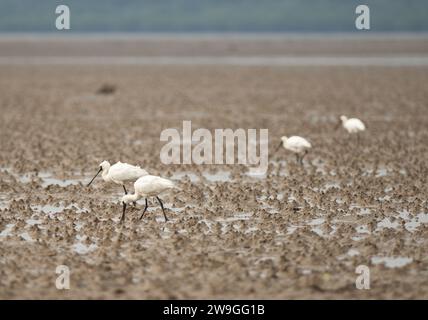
(297, 232)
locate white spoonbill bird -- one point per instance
(147, 186)
(352, 125)
(119, 173)
(300, 146)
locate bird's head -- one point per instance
(105, 165)
(128, 198)
(340, 121)
(281, 143)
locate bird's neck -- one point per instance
(104, 174)
(132, 197)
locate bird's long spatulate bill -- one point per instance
(277, 148)
(95, 176)
(338, 125)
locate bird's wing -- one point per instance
(155, 185)
(357, 123)
(125, 171)
(298, 142)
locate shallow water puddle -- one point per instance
(180, 175)
(381, 172)
(291, 229)
(317, 223)
(78, 225)
(330, 185)
(416, 222)
(48, 180)
(219, 176)
(255, 175)
(384, 198)
(269, 209)
(412, 223)
(364, 211)
(227, 222)
(33, 222)
(4, 202)
(53, 209)
(387, 224)
(81, 248)
(7, 231)
(391, 262)
(317, 227)
(357, 206)
(353, 252)
(49, 209)
(363, 229)
(27, 237)
(350, 253)
(236, 217)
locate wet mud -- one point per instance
(296, 232)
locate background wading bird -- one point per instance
(352, 125)
(297, 145)
(119, 173)
(147, 186)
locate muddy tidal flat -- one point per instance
(296, 232)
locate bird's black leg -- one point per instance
(123, 213)
(147, 205)
(304, 154)
(124, 189)
(163, 210)
(297, 158)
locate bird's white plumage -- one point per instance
(352, 125)
(152, 185)
(148, 186)
(120, 172)
(296, 144)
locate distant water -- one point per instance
(335, 59)
(386, 61)
(65, 36)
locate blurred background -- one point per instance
(214, 15)
(215, 31)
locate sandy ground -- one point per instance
(299, 232)
(213, 45)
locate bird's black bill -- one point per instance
(338, 125)
(101, 169)
(277, 148)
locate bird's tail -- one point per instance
(174, 186)
(177, 188)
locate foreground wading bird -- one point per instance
(147, 186)
(296, 144)
(119, 173)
